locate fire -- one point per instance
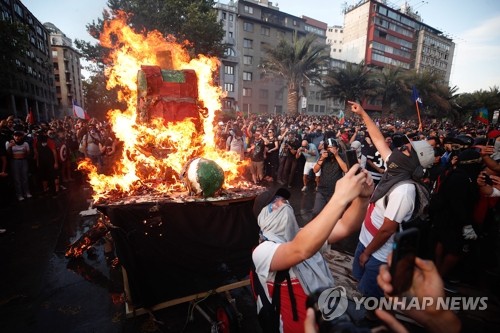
(155, 152)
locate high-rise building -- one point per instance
(67, 71)
(30, 87)
(250, 27)
(381, 35)
(335, 38)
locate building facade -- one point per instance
(67, 71)
(251, 27)
(381, 35)
(335, 38)
(31, 86)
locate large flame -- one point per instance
(139, 170)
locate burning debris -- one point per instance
(169, 121)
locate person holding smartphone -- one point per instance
(425, 282)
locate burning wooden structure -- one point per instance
(170, 243)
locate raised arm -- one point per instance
(310, 238)
(375, 133)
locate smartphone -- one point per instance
(487, 179)
(352, 158)
(491, 142)
(405, 249)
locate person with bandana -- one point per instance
(285, 247)
(383, 219)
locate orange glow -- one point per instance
(154, 153)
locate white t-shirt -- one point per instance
(262, 257)
(399, 208)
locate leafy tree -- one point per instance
(355, 82)
(436, 96)
(296, 62)
(468, 103)
(191, 20)
(98, 99)
(13, 43)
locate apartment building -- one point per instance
(335, 38)
(250, 27)
(67, 71)
(31, 87)
(381, 35)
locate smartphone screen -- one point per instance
(491, 142)
(405, 249)
(351, 158)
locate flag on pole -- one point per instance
(482, 115)
(79, 112)
(341, 117)
(418, 103)
(415, 97)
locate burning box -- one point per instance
(166, 93)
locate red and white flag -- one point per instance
(79, 112)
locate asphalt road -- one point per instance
(42, 291)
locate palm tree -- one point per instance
(355, 82)
(435, 95)
(390, 86)
(296, 63)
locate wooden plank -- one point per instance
(130, 311)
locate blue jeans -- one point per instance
(367, 276)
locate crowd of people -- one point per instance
(456, 168)
(459, 166)
(41, 159)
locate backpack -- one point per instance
(269, 314)
(420, 217)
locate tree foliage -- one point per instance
(355, 82)
(297, 63)
(191, 20)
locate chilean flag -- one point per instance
(79, 112)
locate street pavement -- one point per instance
(42, 291)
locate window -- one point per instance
(247, 108)
(228, 87)
(263, 93)
(248, 9)
(231, 17)
(229, 70)
(247, 76)
(228, 104)
(247, 92)
(229, 52)
(230, 34)
(247, 43)
(247, 26)
(247, 60)
(224, 15)
(265, 31)
(262, 108)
